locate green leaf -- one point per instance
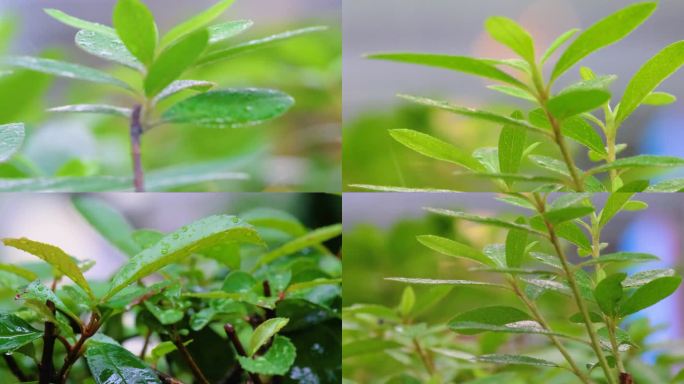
(650, 294)
(484, 220)
(53, 256)
(575, 102)
(230, 108)
(175, 246)
(389, 188)
(174, 61)
(315, 237)
(512, 177)
(616, 202)
(15, 333)
(182, 85)
(558, 216)
(408, 300)
(80, 24)
(111, 363)
(441, 282)
(608, 293)
(672, 185)
(63, 69)
(649, 77)
(511, 146)
(644, 277)
(263, 333)
(659, 99)
(494, 315)
(162, 349)
(513, 91)
(107, 47)
(238, 282)
(512, 35)
(197, 22)
(622, 257)
(19, 271)
(568, 231)
(594, 83)
(582, 132)
(452, 248)
(134, 23)
(482, 115)
(224, 31)
(38, 293)
(469, 65)
(222, 54)
(11, 138)
(562, 39)
(109, 222)
(604, 33)
(515, 360)
(640, 161)
(94, 108)
(277, 360)
(516, 244)
(433, 147)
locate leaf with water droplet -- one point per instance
(111, 363)
(276, 361)
(11, 138)
(182, 85)
(15, 333)
(107, 47)
(312, 238)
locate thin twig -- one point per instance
(77, 350)
(143, 352)
(136, 133)
(237, 344)
(47, 369)
(15, 368)
(196, 371)
(427, 362)
(166, 378)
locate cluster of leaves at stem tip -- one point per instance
(134, 42)
(224, 299)
(534, 261)
(556, 116)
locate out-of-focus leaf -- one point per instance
(452, 248)
(408, 300)
(109, 222)
(107, 47)
(11, 138)
(441, 282)
(558, 216)
(484, 220)
(387, 188)
(434, 148)
(94, 108)
(672, 185)
(238, 282)
(19, 271)
(15, 333)
(368, 346)
(515, 360)
(80, 24)
(659, 99)
(562, 39)
(197, 22)
(317, 236)
(495, 315)
(111, 363)
(134, 23)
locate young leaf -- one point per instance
(512, 35)
(55, 257)
(640, 161)
(111, 224)
(224, 31)
(111, 363)
(644, 277)
(63, 69)
(515, 360)
(469, 65)
(189, 239)
(495, 315)
(107, 47)
(276, 361)
(608, 293)
(516, 244)
(511, 146)
(434, 148)
(233, 51)
(11, 138)
(230, 108)
(310, 239)
(558, 216)
(575, 102)
(15, 333)
(604, 33)
(649, 77)
(134, 23)
(408, 300)
(182, 85)
(659, 99)
(263, 333)
(197, 22)
(38, 293)
(95, 109)
(441, 282)
(616, 201)
(80, 24)
(484, 220)
(452, 248)
(562, 39)
(649, 294)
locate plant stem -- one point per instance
(595, 343)
(237, 344)
(136, 133)
(427, 362)
(611, 325)
(540, 319)
(77, 350)
(167, 379)
(47, 370)
(196, 371)
(143, 352)
(14, 367)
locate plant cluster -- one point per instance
(557, 116)
(160, 63)
(224, 299)
(535, 261)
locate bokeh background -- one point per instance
(298, 152)
(456, 27)
(380, 232)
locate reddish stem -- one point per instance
(237, 344)
(136, 133)
(47, 370)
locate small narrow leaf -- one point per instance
(315, 237)
(182, 85)
(650, 294)
(516, 244)
(622, 257)
(224, 31)
(494, 315)
(608, 293)
(111, 363)
(640, 161)
(416, 281)
(19, 271)
(15, 333)
(562, 39)
(513, 91)
(575, 102)
(659, 99)
(390, 188)
(109, 222)
(55, 257)
(558, 216)
(512, 35)
(484, 220)
(511, 146)
(174, 60)
(515, 360)
(80, 24)
(95, 109)
(616, 202)
(134, 24)
(263, 333)
(230, 108)
(197, 22)
(434, 148)
(452, 248)
(175, 246)
(107, 47)
(604, 33)
(11, 138)
(408, 300)
(649, 77)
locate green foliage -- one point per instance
(182, 292)
(555, 115)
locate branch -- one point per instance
(237, 344)
(77, 350)
(196, 371)
(47, 369)
(136, 133)
(15, 368)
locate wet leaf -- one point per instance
(15, 333)
(11, 138)
(107, 47)
(277, 360)
(224, 31)
(80, 24)
(182, 85)
(644, 277)
(315, 237)
(264, 332)
(95, 109)
(111, 363)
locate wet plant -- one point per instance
(557, 117)
(225, 299)
(556, 250)
(160, 63)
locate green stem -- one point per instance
(611, 325)
(595, 342)
(427, 362)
